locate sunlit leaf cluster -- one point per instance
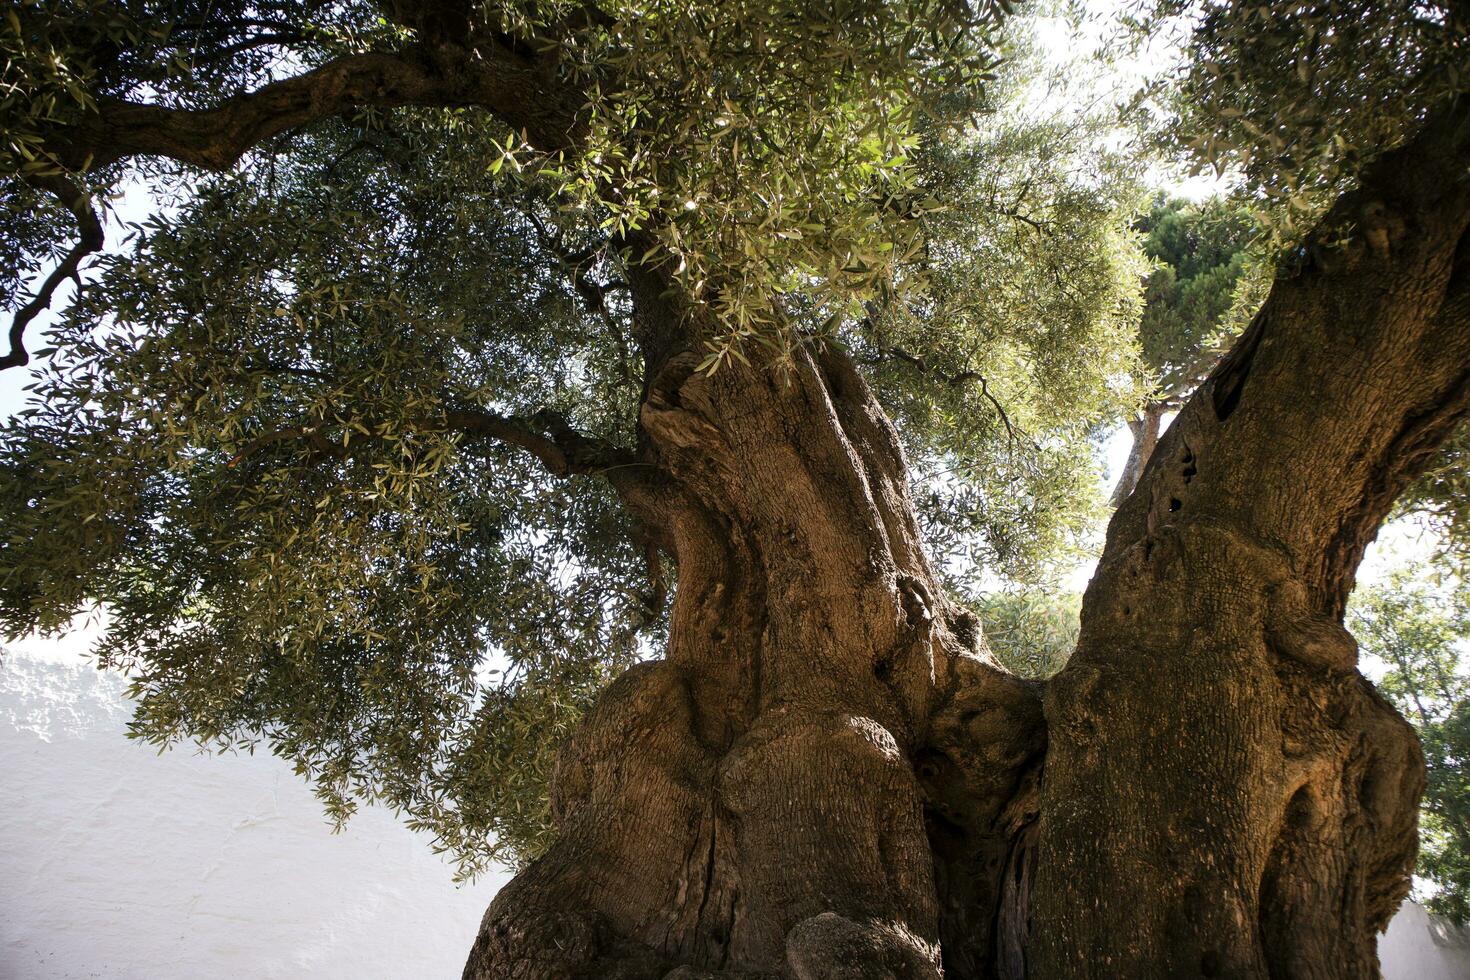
(763, 152)
(1023, 342)
(1032, 633)
(250, 444)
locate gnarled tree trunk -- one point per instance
(1225, 795)
(827, 778)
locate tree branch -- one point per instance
(578, 262)
(250, 44)
(561, 449)
(515, 88)
(312, 435)
(89, 240)
(511, 86)
(1041, 227)
(954, 380)
(546, 435)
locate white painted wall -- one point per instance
(121, 864)
(117, 863)
(1419, 946)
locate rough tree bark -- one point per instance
(824, 780)
(1225, 795)
(825, 776)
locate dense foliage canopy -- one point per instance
(1294, 97)
(326, 437)
(330, 436)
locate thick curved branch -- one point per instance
(1350, 376)
(89, 240)
(511, 85)
(561, 449)
(515, 88)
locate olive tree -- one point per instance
(486, 359)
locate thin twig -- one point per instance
(956, 380)
(89, 240)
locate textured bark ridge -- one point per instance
(826, 777)
(1225, 796)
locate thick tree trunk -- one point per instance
(825, 777)
(1225, 795)
(1145, 432)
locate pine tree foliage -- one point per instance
(1209, 280)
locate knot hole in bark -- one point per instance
(965, 628)
(1228, 381)
(913, 595)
